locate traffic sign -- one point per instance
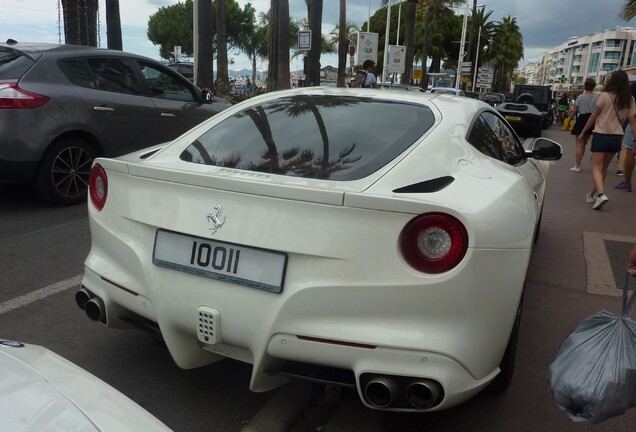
(304, 40)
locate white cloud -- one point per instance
(544, 23)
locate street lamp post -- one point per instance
(462, 44)
(475, 66)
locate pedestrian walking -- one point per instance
(365, 77)
(613, 107)
(627, 154)
(562, 106)
(582, 110)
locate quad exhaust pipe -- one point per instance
(91, 304)
(402, 392)
(82, 297)
(423, 393)
(381, 391)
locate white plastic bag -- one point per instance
(593, 376)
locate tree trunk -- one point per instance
(113, 25)
(253, 88)
(343, 43)
(272, 65)
(80, 22)
(222, 80)
(278, 76)
(314, 15)
(424, 82)
(205, 56)
(284, 78)
(470, 54)
(409, 41)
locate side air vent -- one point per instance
(428, 186)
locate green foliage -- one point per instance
(629, 10)
(236, 98)
(171, 26)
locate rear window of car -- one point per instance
(326, 137)
(107, 74)
(13, 64)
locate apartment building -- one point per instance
(567, 66)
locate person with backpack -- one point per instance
(365, 78)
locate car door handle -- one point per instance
(103, 109)
(165, 114)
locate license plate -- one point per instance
(516, 118)
(251, 267)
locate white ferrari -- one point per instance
(373, 239)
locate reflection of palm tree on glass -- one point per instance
(297, 160)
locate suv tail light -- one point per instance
(433, 242)
(98, 186)
(13, 97)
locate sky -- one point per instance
(544, 24)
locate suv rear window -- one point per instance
(13, 65)
(108, 74)
(326, 137)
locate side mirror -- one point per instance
(207, 95)
(545, 149)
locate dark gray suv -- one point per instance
(63, 105)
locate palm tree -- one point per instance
(433, 12)
(113, 25)
(506, 51)
(80, 22)
(473, 26)
(204, 60)
(314, 16)
(327, 47)
(278, 76)
(409, 41)
(222, 80)
(343, 43)
(629, 10)
(251, 43)
(486, 32)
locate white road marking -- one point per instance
(39, 294)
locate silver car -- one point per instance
(61, 106)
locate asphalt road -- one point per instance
(42, 249)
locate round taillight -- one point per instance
(98, 186)
(434, 242)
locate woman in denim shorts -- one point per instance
(613, 108)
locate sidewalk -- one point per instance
(600, 238)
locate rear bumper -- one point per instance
(453, 332)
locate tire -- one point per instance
(62, 176)
(507, 365)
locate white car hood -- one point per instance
(41, 391)
(30, 403)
